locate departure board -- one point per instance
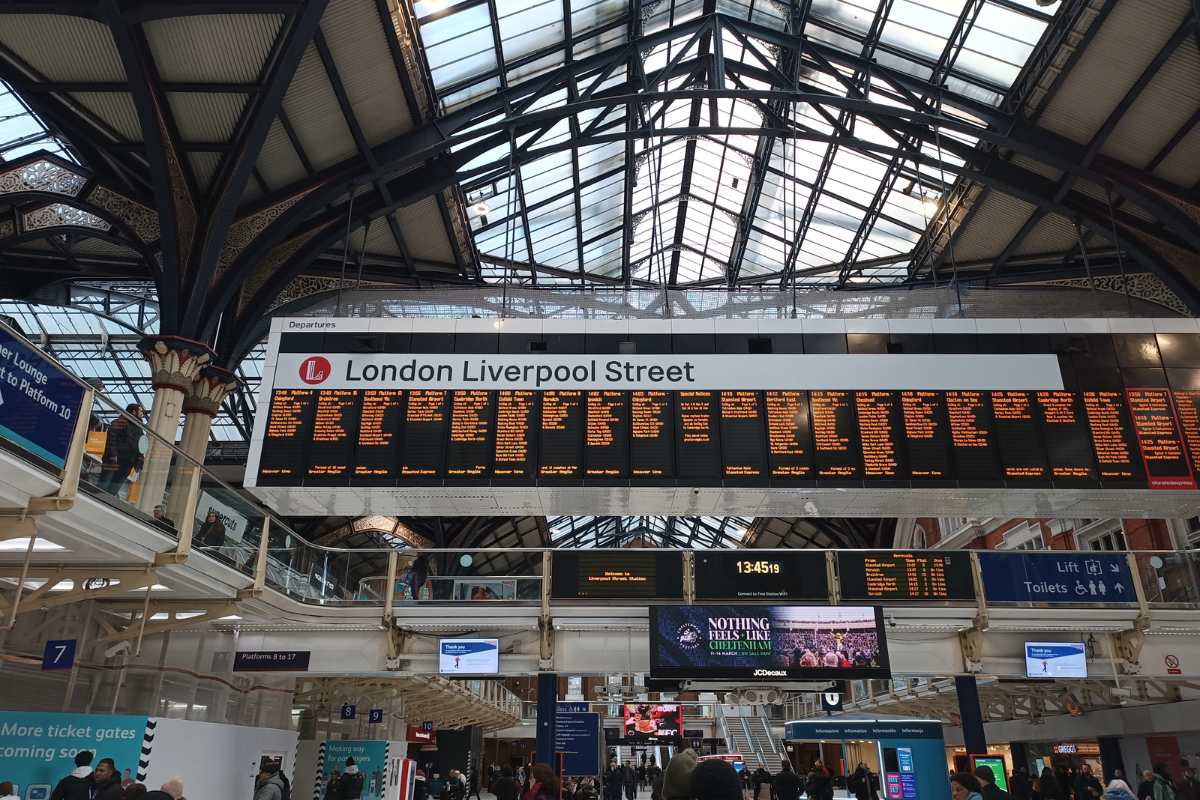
(469, 447)
(1096, 438)
(606, 443)
(1117, 457)
(562, 435)
(972, 439)
(288, 435)
(1018, 439)
(698, 447)
(1065, 430)
(1187, 405)
(880, 420)
(616, 575)
(927, 437)
(746, 575)
(835, 440)
(1159, 439)
(742, 440)
(789, 436)
(516, 420)
(425, 421)
(335, 433)
(905, 575)
(380, 426)
(652, 436)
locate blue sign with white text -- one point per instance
(577, 737)
(59, 654)
(565, 707)
(38, 748)
(38, 403)
(1057, 578)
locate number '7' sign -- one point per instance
(59, 654)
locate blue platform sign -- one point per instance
(1057, 577)
(38, 403)
(375, 716)
(349, 711)
(59, 654)
(577, 737)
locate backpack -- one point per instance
(286, 792)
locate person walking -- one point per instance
(630, 781)
(988, 787)
(1022, 785)
(614, 780)
(269, 785)
(75, 786)
(544, 785)
(105, 783)
(122, 449)
(350, 786)
(331, 788)
(965, 786)
(506, 786)
(860, 783)
(787, 783)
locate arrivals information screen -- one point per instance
(495, 410)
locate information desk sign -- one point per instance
(905, 575)
(38, 403)
(577, 738)
(1057, 578)
(747, 575)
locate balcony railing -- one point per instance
(201, 514)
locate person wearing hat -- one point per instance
(715, 780)
(350, 787)
(677, 780)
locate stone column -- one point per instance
(175, 363)
(200, 407)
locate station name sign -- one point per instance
(1027, 372)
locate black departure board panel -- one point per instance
(616, 575)
(1131, 438)
(901, 575)
(1126, 419)
(745, 575)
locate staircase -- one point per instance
(750, 736)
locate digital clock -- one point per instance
(763, 567)
(798, 575)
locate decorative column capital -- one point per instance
(209, 390)
(175, 362)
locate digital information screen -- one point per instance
(745, 575)
(652, 720)
(900, 575)
(616, 575)
(1055, 660)
(764, 643)
(469, 656)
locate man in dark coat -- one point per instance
(106, 781)
(121, 449)
(75, 786)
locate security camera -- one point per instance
(891, 621)
(117, 649)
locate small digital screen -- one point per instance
(764, 643)
(900, 575)
(653, 721)
(469, 656)
(746, 575)
(1055, 660)
(616, 575)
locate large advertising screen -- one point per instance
(469, 656)
(764, 643)
(653, 721)
(1055, 660)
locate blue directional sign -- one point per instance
(38, 403)
(1057, 578)
(565, 707)
(577, 737)
(349, 711)
(59, 654)
(375, 716)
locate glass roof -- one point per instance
(682, 532)
(21, 132)
(96, 338)
(825, 214)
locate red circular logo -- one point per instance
(315, 369)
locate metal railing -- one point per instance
(203, 514)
